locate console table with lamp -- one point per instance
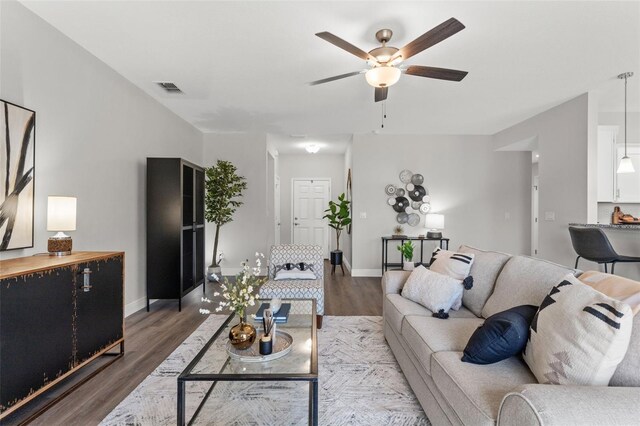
(434, 223)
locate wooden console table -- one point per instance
(444, 244)
(58, 314)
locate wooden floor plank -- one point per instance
(151, 337)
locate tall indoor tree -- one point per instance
(223, 190)
(339, 216)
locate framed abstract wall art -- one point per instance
(17, 173)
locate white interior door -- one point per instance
(310, 199)
(276, 208)
(534, 216)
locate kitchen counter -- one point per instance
(624, 226)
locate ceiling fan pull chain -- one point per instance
(383, 115)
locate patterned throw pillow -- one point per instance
(294, 271)
(455, 265)
(434, 291)
(578, 336)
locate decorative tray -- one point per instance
(282, 346)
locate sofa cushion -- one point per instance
(628, 291)
(523, 281)
(436, 292)
(475, 391)
(578, 336)
(428, 335)
(397, 307)
(485, 269)
(502, 336)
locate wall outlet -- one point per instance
(507, 215)
(363, 215)
(549, 216)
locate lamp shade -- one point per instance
(434, 221)
(383, 76)
(61, 213)
(626, 166)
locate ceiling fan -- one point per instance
(385, 61)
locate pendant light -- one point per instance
(625, 166)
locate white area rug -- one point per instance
(360, 383)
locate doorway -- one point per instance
(535, 189)
(310, 198)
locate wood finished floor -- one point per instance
(151, 337)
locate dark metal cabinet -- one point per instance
(175, 228)
(49, 326)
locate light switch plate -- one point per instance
(363, 215)
(549, 216)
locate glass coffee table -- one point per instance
(213, 363)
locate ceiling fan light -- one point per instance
(626, 166)
(383, 76)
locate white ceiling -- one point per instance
(243, 65)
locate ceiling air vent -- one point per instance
(169, 86)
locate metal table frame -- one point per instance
(311, 377)
(444, 244)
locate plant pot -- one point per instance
(214, 273)
(336, 257)
(408, 265)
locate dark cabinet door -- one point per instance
(99, 308)
(36, 340)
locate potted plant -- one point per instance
(339, 217)
(223, 187)
(407, 255)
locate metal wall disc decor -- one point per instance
(413, 219)
(417, 193)
(405, 176)
(409, 198)
(401, 204)
(390, 189)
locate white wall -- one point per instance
(94, 130)
(474, 186)
(563, 144)
(250, 230)
(308, 166)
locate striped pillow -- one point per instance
(455, 265)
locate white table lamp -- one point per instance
(434, 222)
(61, 217)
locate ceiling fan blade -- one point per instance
(430, 38)
(439, 73)
(381, 93)
(345, 45)
(334, 78)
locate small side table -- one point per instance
(444, 244)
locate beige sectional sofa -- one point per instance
(429, 349)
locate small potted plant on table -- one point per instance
(407, 255)
(339, 216)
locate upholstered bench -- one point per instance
(297, 289)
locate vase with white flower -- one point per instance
(237, 296)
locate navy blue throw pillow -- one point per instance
(502, 336)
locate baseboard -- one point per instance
(366, 273)
(346, 263)
(135, 306)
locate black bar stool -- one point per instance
(592, 244)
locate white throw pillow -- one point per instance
(455, 265)
(434, 291)
(579, 336)
(294, 274)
